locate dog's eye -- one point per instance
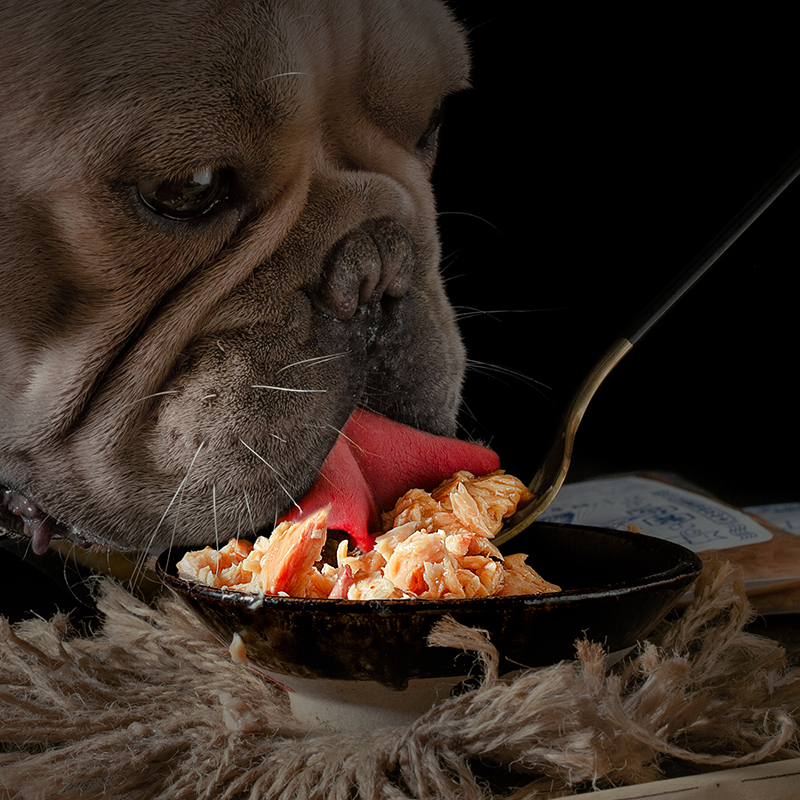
(186, 196)
(428, 138)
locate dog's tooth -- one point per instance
(20, 505)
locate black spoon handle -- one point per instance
(713, 250)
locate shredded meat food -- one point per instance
(434, 545)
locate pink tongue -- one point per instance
(374, 461)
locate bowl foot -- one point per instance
(361, 706)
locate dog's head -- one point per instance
(217, 238)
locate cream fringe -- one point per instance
(145, 710)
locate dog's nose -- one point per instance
(373, 261)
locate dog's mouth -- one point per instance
(373, 462)
(35, 523)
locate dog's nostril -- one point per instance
(350, 275)
(398, 254)
(374, 260)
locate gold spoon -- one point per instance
(553, 470)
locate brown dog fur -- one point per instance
(130, 343)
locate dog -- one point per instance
(218, 243)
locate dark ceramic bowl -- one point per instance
(616, 586)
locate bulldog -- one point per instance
(221, 300)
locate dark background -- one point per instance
(592, 159)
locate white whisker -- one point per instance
(148, 397)
(178, 493)
(285, 388)
(279, 477)
(180, 487)
(283, 75)
(347, 438)
(467, 434)
(465, 312)
(208, 396)
(214, 508)
(315, 360)
(496, 369)
(249, 510)
(260, 457)
(445, 264)
(467, 214)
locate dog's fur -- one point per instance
(131, 343)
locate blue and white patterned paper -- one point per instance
(785, 516)
(657, 509)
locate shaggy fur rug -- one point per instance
(153, 707)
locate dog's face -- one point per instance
(217, 237)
